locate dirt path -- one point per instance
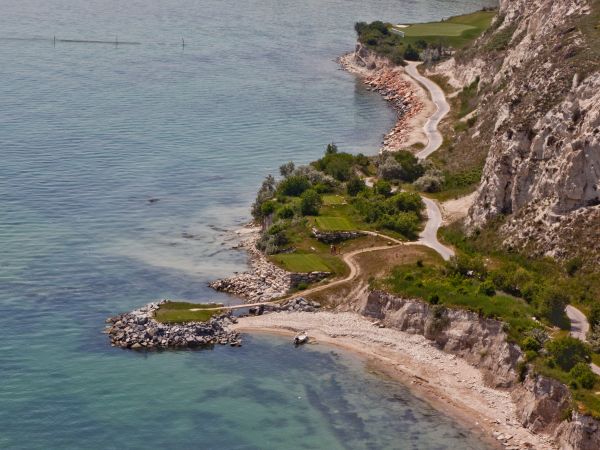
(580, 328)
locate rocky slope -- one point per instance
(543, 405)
(539, 125)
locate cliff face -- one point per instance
(481, 342)
(542, 404)
(539, 113)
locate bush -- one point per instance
(583, 375)
(310, 203)
(464, 265)
(338, 165)
(487, 288)
(407, 201)
(429, 183)
(287, 169)
(390, 170)
(413, 169)
(551, 305)
(267, 208)
(405, 223)
(573, 265)
(383, 187)
(595, 315)
(354, 186)
(594, 338)
(411, 54)
(265, 193)
(294, 185)
(567, 351)
(531, 344)
(285, 212)
(434, 299)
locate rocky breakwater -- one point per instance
(264, 281)
(396, 87)
(139, 330)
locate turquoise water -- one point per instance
(89, 133)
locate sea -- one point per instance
(133, 137)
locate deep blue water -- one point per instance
(89, 133)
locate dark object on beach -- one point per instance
(300, 339)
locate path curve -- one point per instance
(434, 137)
(579, 328)
(348, 258)
(428, 236)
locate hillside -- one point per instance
(534, 82)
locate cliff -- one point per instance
(543, 405)
(538, 125)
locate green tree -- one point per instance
(265, 193)
(552, 302)
(354, 186)
(310, 203)
(383, 187)
(567, 351)
(411, 54)
(583, 375)
(293, 185)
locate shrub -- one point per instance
(573, 265)
(567, 351)
(265, 193)
(338, 165)
(465, 265)
(530, 344)
(287, 169)
(429, 183)
(434, 299)
(315, 176)
(267, 208)
(595, 315)
(354, 186)
(407, 201)
(405, 223)
(310, 203)
(383, 187)
(411, 54)
(594, 338)
(294, 185)
(285, 212)
(487, 288)
(551, 305)
(390, 170)
(413, 168)
(583, 375)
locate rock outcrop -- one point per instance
(539, 123)
(139, 330)
(264, 281)
(333, 237)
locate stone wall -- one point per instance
(332, 237)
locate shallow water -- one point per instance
(89, 133)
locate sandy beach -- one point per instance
(449, 383)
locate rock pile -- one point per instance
(294, 304)
(265, 281)
(139, 330)
(331, 237)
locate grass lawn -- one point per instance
(179, 312)
(456, 31)
(328, 223)
(301, 262)
(332, 199)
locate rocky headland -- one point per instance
(139, 330)
(264, 281)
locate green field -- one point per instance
(328, 223)
(301, 262)
(331, 199)
(455, 32)
(179, 312)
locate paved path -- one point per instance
(579, 328)
(438, 98)
(428, 236)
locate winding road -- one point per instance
(579, 328)
(428, 237)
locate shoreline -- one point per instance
(410, 100)
(458, 391)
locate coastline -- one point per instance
(458, 390)
(411, 101)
